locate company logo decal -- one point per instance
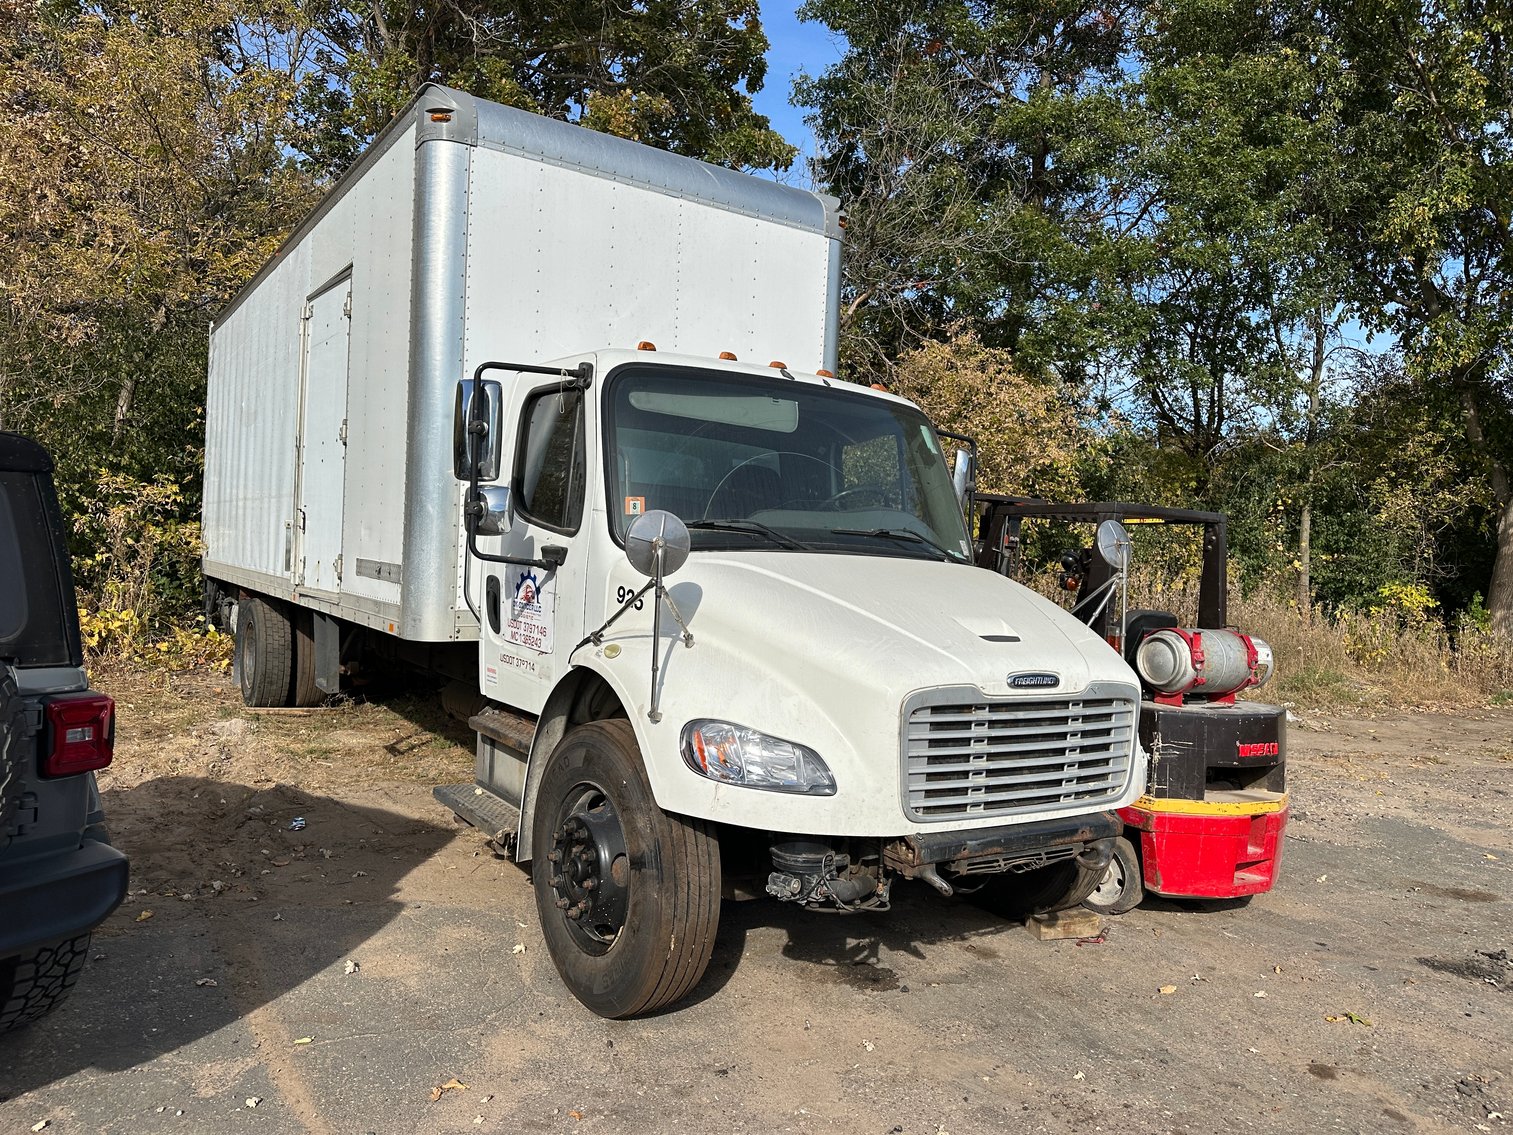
(526, 591)
(1034, 681)
(1260, 748)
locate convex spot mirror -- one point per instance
(491, 510)
(1113, 545)
(477, 434)
(652, 532)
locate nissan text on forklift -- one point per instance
(1210, 825)
(714, 622)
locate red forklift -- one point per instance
(1210, 823)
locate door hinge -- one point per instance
(346, 306)
(308, 311)
(336, 566)
(301, 520)
(341, 434)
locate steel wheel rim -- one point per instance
(588, 869)
(1111, 886)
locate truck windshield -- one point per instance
(752, 462)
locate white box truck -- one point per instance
(716, 614)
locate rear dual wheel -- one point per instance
(275, 653)
(628, 895)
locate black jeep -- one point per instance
(59, 876)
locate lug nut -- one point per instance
(555, 881)
(590, 884)
(575, 914)
(554, 856)
(561, 904)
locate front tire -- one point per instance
(1121, 889)
(264, 652)
(33, 985)
(628, 895)
(1057, 886)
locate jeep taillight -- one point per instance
(81, 734)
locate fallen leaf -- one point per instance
(40, 1124)
(452, 1085)
(210, 981)
(279, 862)
(1080, 1076)
(1276, 969)
(1167, 990)
(1259, 993)
(304, 1040)
(144, 916)
(575, 1114)
(1333, 1019)
(519, 948)
(1358, 1019)
(352, 967)
(253, 1101)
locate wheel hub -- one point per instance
(588, 869)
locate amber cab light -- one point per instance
(823, 373)
(81, 734)
(776, 365)
(728, 356)
(646, 345)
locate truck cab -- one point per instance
(830, 695)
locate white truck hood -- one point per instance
(894, 623)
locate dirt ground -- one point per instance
(330, 979)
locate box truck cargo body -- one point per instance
(555, 414)
(469, 232)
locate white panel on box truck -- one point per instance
(715, 620)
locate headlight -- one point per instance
(734, 754)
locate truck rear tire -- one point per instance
(33, 985)
(264, 651)
(628, 895)
(304, 691)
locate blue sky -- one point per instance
(795, 47)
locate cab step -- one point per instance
(508, 730)
(487, 811)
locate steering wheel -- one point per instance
(884, 495)
(758, 457)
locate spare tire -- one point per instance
(15, 736)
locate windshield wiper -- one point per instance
(754, 527)
(901, 534)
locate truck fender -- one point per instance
(586, 693)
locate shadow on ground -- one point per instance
(267, 909)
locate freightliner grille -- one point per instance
(1001, 758)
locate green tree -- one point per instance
(677, 74)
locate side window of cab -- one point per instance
(550, 461)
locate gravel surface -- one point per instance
(342, 974)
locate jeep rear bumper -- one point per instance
(59, 897)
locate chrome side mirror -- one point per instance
(477, 434)
(491, 510)
(962, 475)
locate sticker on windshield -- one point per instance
(635, 506)
(533, 610)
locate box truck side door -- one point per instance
(533, 616)
(323, 441)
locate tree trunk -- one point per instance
(1305, 560)
(1500, 589)
(123, 408)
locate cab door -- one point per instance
(533, 616)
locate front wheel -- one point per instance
(1121, 889)
(628, 895)
(1057, 886)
